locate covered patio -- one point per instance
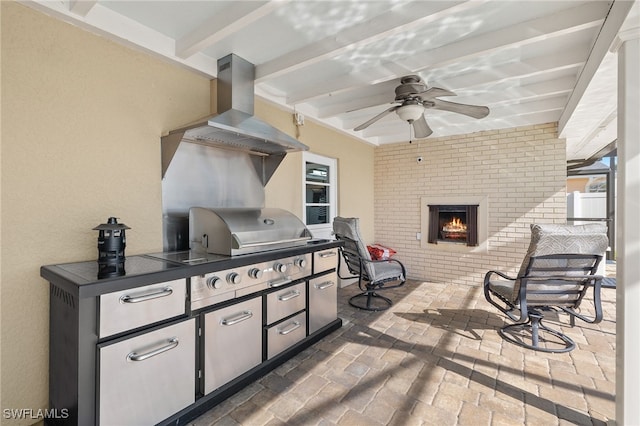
(434, 358)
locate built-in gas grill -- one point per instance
(235, 231)
(245, 231)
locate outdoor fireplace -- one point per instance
(456, 224)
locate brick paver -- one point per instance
(433, 358)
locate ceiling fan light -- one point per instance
(410, 113)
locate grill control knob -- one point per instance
(214, 282)
(234, 278)
(255, 273)
(300, 263)
(280, 267)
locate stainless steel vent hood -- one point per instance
(234, 127)
(223, 161)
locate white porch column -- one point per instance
(628, 230)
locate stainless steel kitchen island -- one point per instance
(172, 338)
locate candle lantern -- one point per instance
(111, 245)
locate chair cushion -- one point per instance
(503, 288)
(350, 227)
(386, 271)
(566, 239)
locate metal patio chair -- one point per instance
(556, 274)
(373, 275)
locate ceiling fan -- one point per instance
(414, 97)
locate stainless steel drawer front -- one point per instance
(286, 334)
(323, 301)
(146, 379)
(137, 307)
(232, 342)
(325, 260)
(286, 302)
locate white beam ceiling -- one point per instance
(338, 62)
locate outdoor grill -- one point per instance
(236, 231)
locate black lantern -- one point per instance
(111, 244)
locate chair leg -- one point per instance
(370, 301)
(536, 331)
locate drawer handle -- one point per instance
(327, 254)
(279, 283)
(167, 291)
(238, 318)
(134, 356)
(294, 326)
(325, 285)
(288, 296)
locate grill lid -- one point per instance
(233, 231)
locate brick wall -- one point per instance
(521, 172)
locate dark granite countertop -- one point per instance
(81, 278)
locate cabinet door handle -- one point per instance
(288, 296)
(134, 356)
(279, 283)
(125, 298)
(292, 327)
(327, 254)
(325, 285)
(245, 315)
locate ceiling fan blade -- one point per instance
(376, 118)
(474, 111)
(434, 92)
(420, 128)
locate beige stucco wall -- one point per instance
(81, 124)
(355, 169)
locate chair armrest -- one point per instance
(510, 307)
(487, 276)
(404, 271)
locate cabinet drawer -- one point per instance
(232, 342)
(147, 378)
(323, 301)
(125, 310)
(286, 334)
(325, 260)
(285, 302)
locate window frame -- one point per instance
(322, 230)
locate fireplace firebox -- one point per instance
(456, 224)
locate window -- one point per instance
(320, 194)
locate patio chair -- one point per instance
(556, 274)
(373, 275)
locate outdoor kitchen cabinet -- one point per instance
(323, 301)
(147, 378)
(121, 311)
(101, 367)
(232, 342)
(282, 329)
(324, 260)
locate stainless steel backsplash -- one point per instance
(209, 177)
